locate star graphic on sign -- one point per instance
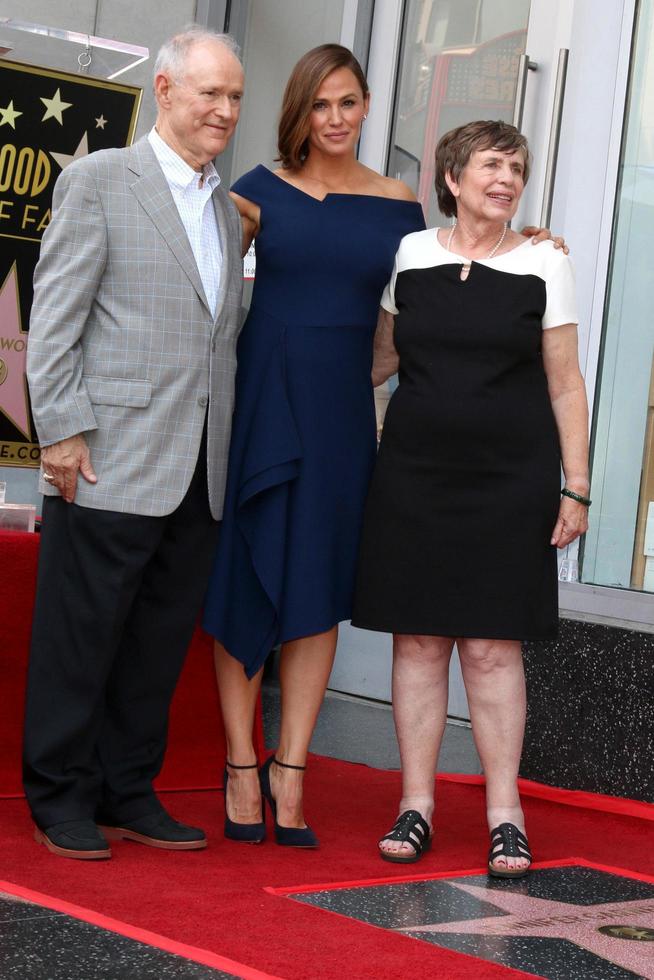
(13, 346)
(578, 924)
(9, 115)
(54, 108)
(64, 159)
(100, 122)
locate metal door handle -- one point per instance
(555, 133)
(524, 66)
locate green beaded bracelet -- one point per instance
(576, 496)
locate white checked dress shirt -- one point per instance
(196, 211)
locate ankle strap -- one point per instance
(232, 766)
(287, 765)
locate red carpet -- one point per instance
(217, 900)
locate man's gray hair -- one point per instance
(171, 57)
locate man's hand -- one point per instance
(544, 235)
(61, 462)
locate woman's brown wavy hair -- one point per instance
(306, 78)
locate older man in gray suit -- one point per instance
(131, 365)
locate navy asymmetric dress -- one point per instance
(304, 430)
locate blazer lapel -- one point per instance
(153, 193)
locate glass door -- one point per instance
(619, 548)
(462, 60)
(459, 61)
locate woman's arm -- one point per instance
(568, 397)
(250, 219)
(385, 358)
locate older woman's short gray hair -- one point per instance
(456, 147)
(171, 57)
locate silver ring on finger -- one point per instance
(48, 477)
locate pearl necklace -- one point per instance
(496, 246)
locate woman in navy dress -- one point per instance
(304, 429)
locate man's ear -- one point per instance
(162, 86)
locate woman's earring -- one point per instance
(365, 115)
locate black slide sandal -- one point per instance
(409, 828)
(508, 841)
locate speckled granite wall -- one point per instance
(590, 716)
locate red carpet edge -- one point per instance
(368, 882)
(567, 797)
(193, 953)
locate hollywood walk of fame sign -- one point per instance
(48, 119)
(570, 920)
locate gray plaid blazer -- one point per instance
(122, 346)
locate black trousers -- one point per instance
(117, 599)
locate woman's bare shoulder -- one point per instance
(389, 186)
(399, 190)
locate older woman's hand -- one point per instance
(571, 522)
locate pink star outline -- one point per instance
(539, 917)
(13, 391)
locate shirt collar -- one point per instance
(176, 170)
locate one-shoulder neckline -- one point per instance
(321, 200)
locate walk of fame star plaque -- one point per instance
(48, 119)
(564, 920)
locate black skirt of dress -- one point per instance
(465, 492)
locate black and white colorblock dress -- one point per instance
(465, 491)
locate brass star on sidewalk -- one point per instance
(55, 107)
(9, 115)
(100, 122)
(64, 159)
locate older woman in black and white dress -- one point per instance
(464, 514)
